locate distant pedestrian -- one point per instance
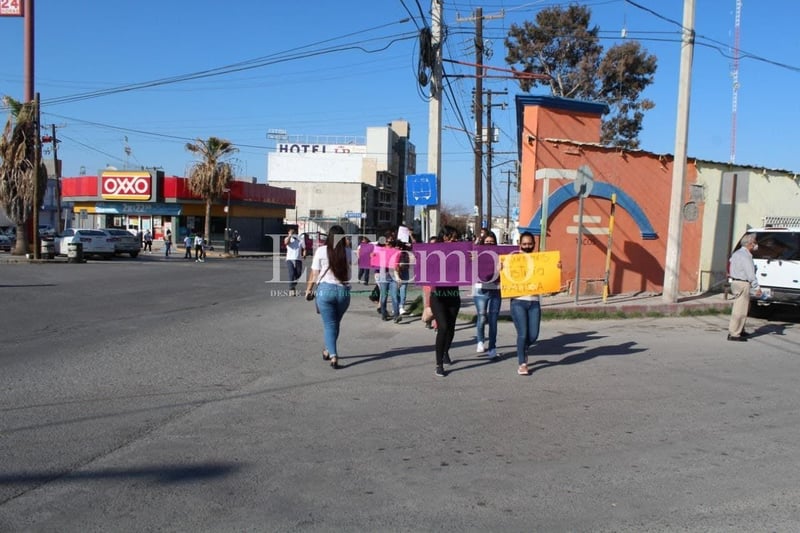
(295, 251)
(235, 240)
(363, 273)
(167, 243)
(330, 269)
(742, 272)
(188, 241)
(199, 248)
(148, 241)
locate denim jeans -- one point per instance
(526, 316)
(402, 289)
(390, 288)
(487, 306)
(332, 302)
(295, 269)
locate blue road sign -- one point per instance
(421, 189)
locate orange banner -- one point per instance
(529, 274)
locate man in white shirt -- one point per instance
(295, 251)
(742, 272)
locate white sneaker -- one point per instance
(481, 348)
(403, 311)
(492, 353)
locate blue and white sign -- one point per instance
(421, 189)
(354, 214)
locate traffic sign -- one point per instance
(421, 189)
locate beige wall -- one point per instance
(759, 193)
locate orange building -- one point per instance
(558, 136)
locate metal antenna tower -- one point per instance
(736, 26)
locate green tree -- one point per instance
(17, 156)
(562, 45)
(212, 174)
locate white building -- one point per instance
(354, 182)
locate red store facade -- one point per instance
(140, 200)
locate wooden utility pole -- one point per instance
(672, 263)
(480, 72)
(489, 152)
(37, 162)
(508, 204)
(478, 144)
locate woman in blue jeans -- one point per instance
(526, 313)
(486, 295)
(331, 269)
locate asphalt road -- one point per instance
(176, 396)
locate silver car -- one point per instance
(125, 242)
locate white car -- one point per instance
(94, 241)
(777, 262)
(125, 242)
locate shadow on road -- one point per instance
(157, 473)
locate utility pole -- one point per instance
(37, 161)
(435, 120)
(56, 172)
(508, 202)
(672, 264)
(478, 120)
(489, 151)
(478, 17)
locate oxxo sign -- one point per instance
(126, 185)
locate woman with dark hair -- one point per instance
(486, 295)
(331, 269)
(445, 302)
(526, 313)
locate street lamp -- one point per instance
(228, 221)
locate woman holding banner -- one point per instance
(486, 295)
(526, 313)
(445, 303)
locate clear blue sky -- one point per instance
(96, 45)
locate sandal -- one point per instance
(335, 363)
(325, 355)
(522, 370)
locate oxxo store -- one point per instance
(144, 200)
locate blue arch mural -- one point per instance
(600, 190)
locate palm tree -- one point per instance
(17, 155)
(212, 174)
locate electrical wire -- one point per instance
(288, 55)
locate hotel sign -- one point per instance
(296, 148)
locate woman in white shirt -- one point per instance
(331, 269)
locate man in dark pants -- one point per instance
(295, 251)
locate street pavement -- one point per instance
(175, 396)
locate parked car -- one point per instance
(95, 242)
(125, 242)
(777, 262)
(6, 243)
(46, 232)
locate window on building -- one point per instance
(315, 213)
